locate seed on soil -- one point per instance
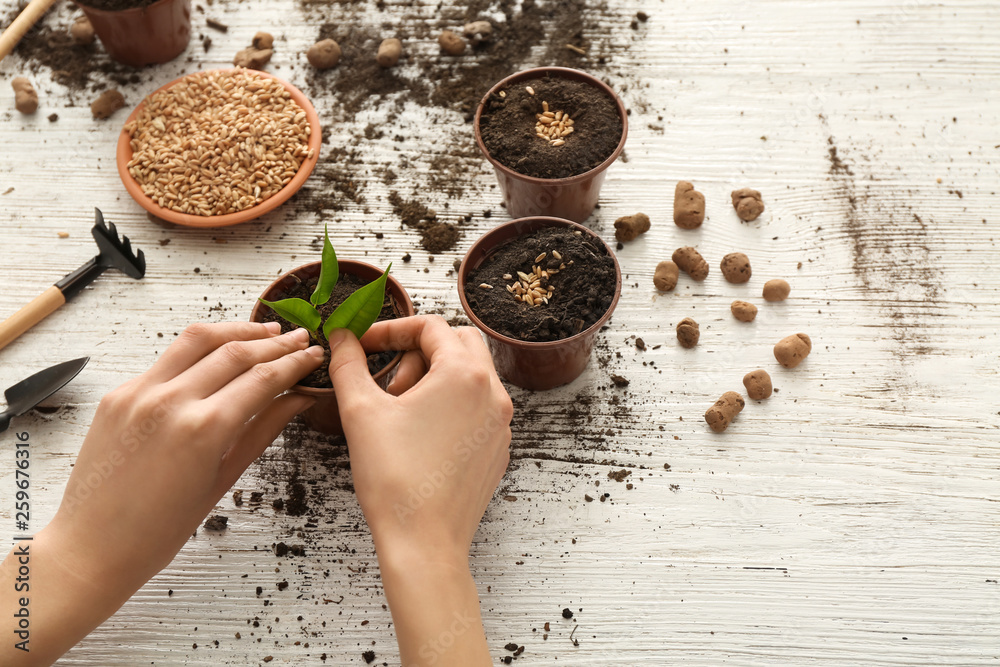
(485, 286)
(791, 350)
(557, 142)
(530, 90)
(529, 288)
(629, 227)
(689, 206)
(758, 384)
(665, 277)
(736, 267)
(776, 290)
(503, 93)
(507, 276)
(389, 52)
(82, 31)
(540, 258)
(743, 311)
(720, 415)
(748, 204)
(688, 333)
(691, 262)
(553, 125)
(109, 102)
(217, 142)
(324, 54)
(557, 255)
(451, 43)
(252, 57)
(25, 96)
(478, 32)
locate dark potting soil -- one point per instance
(116, 5)
(345, 287)
(435, 236)
(508, 127)
(583, 291)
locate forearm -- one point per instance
(61, 607)
(435, 610)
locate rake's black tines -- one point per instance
(118, 253)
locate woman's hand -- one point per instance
(426, 458)
(163, 449)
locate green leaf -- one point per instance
(360, 310)
(296, 311)
(329, 271)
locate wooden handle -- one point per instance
(22, 24)
(41, 307)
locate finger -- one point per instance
(254, 390)
(474, 343)
(428, 333)
(200, 339)
(233, 359)
(352, 381)
(257, 435)
(411, 369)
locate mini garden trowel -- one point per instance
(28, 393)
(114, 254)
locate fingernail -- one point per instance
(337, 337)
(315, 351)
(273, 327)
(300, 335)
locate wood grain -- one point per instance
(851, 519)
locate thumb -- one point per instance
(352, 381)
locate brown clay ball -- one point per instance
(689, 206)
(263, 40)
(324, 54)
(748, 204)
(736, 267)
(478, 32)
(776, 290)
(691, 262)
(82, 31)
(252, 58)
(389, 52)
(721, 414)
(109, 102)
(630, 226)
(743, 311)
(688, 333)
(25, 96)
(451, 43)
(758, 384)
(665, 278)
(791, 350)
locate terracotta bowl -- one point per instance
(124, 155)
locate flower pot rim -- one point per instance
(123, 154)
(118, 12)
(546, 221)
(405, 303)
(538, 73)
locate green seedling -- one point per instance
(357, 313)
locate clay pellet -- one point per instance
(688, 333)
(791, 350)
(776, 290)
(736, 268)
(721, 414)
(629, 227)
(665, 277)
(25, 97)
(758, 384)
(748, 204)
(691, 262)
(743, 311)
(389, 52)
(689, 206)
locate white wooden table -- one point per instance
(851, 519)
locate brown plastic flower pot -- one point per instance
(324, 416)
(148, 35)
(534, 365)
(573, 198)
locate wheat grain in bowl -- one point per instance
(217, 142)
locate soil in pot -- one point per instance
(346, 285)
(116, 5)
(510, 115)
(582, 291)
